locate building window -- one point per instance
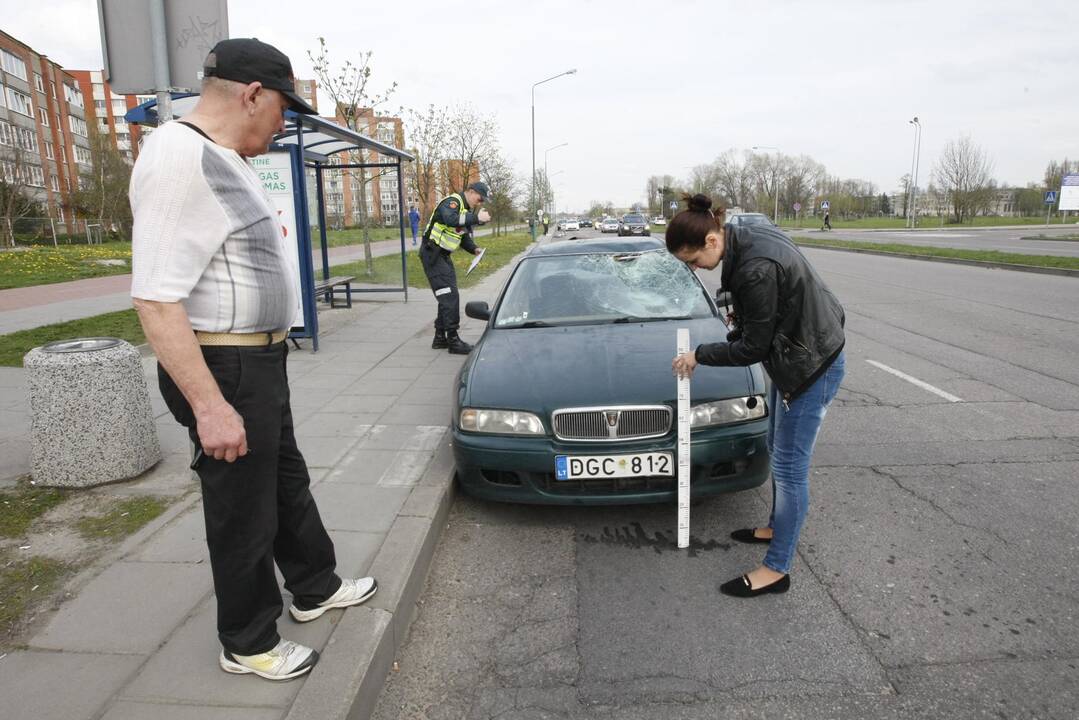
(19, 102)
(39, 83)
(73, 95)
(60, 213)
(50, 154)
(52, 86)
(54, 183)
(99, 107)
(78, 125)
(44, 115)
(7, 133)
(82, 155)
(13, 64)
(3, 95)
(119, 108)
(27, 138)
(35, 176)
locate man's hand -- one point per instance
(683, 365)
(483, 216)
(221, 432)
(477, 251)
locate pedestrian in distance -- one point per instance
(546, 223)
(449, 228)
(785, 318)
(414, 222)
(827, 221)
(213, 287)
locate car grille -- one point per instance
(612, 424)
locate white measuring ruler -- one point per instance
(683, 446)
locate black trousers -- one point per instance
(259, 509)
(440, 272)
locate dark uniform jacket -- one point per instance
(448, 212)
(787, 318)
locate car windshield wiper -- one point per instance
(529, 324)
(636, 319)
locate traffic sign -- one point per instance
(797, 207)
(1050, 197)
(674, 204)
(824, 205)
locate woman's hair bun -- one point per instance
(699, 202)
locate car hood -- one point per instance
(543, 369)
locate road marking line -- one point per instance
(915, 381)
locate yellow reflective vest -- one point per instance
(446, 236)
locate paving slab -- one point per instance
(62, 686)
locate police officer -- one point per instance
(450, 227)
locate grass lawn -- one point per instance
(41, 265)
(122, 519)
(123, 324)
(25, 581)
(993, 256)
(898, 223)
(354, 236)
(500, 251)
(22, 504)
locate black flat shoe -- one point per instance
(740, 587)
(746, 535)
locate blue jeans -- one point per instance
(792, 433)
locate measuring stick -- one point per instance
(683, 446)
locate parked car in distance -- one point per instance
(568, 396)
(569, 224)
(659, 220)
(750, 219)
(609, 225)
(633, 224)
(585, 222)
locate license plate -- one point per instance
(575, 467)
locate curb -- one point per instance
(359, 654)
(955, 261)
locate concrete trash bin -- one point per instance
(91, 421)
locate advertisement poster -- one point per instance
(275, 171)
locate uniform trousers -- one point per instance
(442, 276)
(259, 510)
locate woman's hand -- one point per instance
(683, 365)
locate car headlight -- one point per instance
(726, 412)
(501, 422)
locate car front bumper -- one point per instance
(521, 469)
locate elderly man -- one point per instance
(213, 289)
(449, 228)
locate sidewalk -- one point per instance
(138, 638)
(31, 307)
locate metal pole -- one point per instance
(532, 205)
(910, 178)
(917, 167)
(159, 43)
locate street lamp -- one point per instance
(775, 174)
(545, 175)
(532, 206)
(915, 161)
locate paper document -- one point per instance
(476, 261)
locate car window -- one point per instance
(634, 218)
(601, 288)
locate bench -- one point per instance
(326, 288)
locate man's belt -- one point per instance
(252, 339)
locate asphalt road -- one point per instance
(937, 575)
(1023, 240)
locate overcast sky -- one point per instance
(663, 86)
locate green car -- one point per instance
(568, 397)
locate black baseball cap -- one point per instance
(481, 188)
(248, 60)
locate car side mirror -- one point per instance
(478, 310)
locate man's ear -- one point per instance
(250, 95)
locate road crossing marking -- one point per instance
(915, 381)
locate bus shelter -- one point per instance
(308, 142)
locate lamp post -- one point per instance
(776, 175)
(545, 152)
(532, 206)
(915, 160)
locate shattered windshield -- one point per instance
(601, 288)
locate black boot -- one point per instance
(440, 342)
(456, 344)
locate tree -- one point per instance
(347, 87)
(733, 179)
(472, 139)
(18, 196)
(102, 192)
(504, 189)
(427, 132)
(963, 172)
(1055, 172)
(885, 204)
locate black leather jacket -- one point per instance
(786, 317)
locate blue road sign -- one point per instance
(824, 205)
(1050, 197)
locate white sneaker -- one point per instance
(286, 661)
(353, 591)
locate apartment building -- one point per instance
(44, 139)
(105, 111)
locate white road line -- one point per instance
(915, 381)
